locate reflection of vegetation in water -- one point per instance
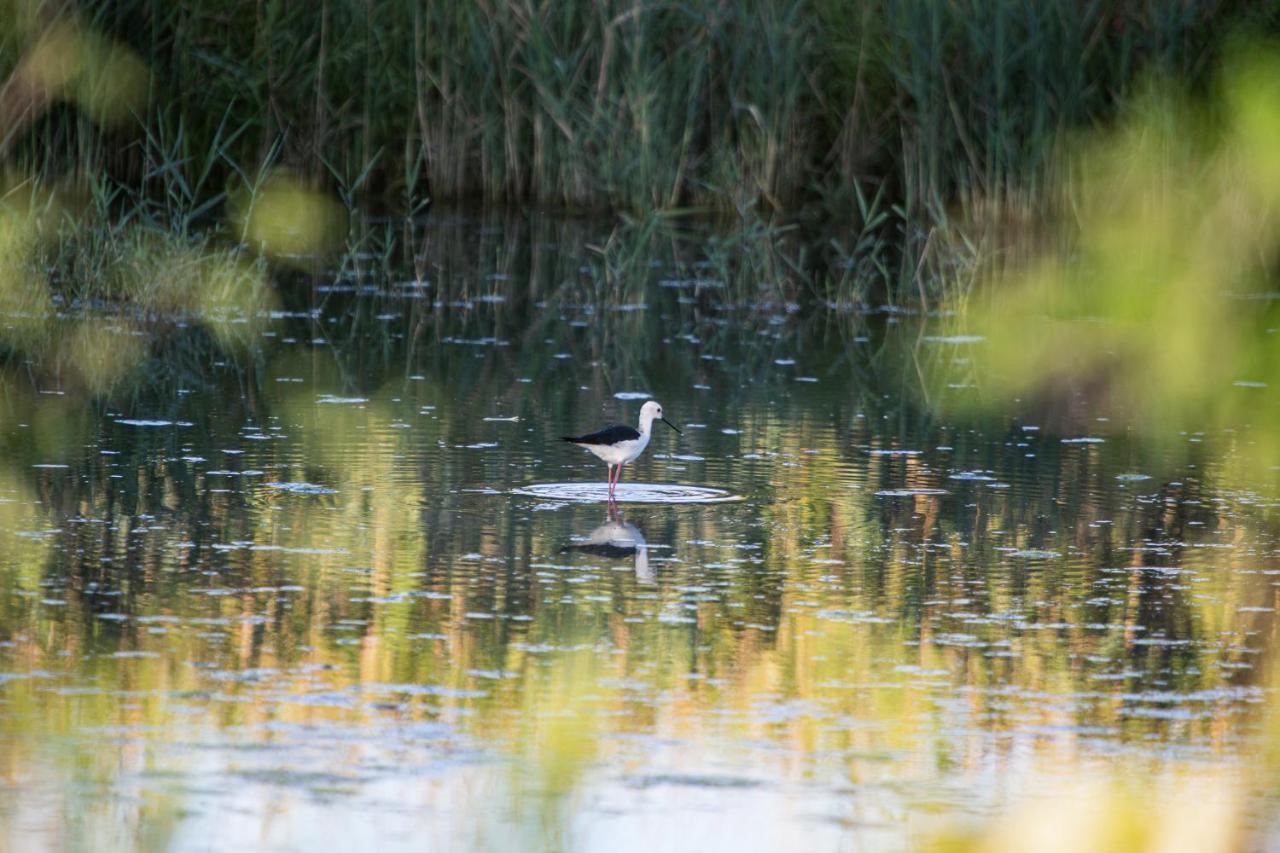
(860, 632)
(817, 615)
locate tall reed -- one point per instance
(632, 104)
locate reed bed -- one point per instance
(929, 127)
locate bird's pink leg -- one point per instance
(617, 479)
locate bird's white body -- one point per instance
(624, 451)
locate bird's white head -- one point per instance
(650, 412)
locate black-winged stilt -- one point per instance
(617, 445)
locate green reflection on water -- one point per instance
(295, 603)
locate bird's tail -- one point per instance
(571, 439)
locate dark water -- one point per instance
(289, 599)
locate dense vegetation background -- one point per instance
(619, 104)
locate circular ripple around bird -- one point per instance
(635, 493)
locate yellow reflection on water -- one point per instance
(881, 662)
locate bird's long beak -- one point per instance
(673, 426)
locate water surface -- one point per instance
(329, 593)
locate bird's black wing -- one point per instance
(609, 435)
(607, 550)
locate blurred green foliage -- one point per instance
(1160, 305)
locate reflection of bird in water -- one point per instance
(617, 540)
(618, 445)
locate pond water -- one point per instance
(348, 589)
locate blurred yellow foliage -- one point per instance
(1097, 814)
(288, 220)
(44, 226)
(145, 273)
(103, 77)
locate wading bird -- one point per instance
(617, 445)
